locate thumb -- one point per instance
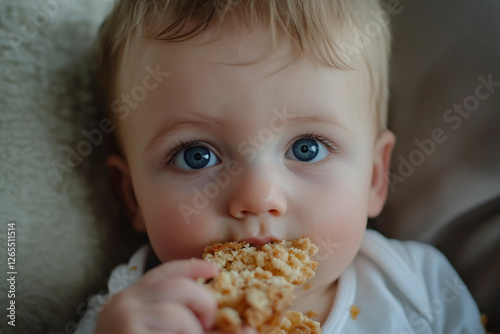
(245, 330)
(248, 330)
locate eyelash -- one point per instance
(183, 145)
(313, 135)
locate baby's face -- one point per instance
(232, 145)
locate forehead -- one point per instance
(217, 48)
(236, 72)
(205, 53)
(252, 53)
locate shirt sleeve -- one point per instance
(121, 277)
(451, 308)
(88, 322)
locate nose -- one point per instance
(257, 193)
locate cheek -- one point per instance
(176, 229)
(338, 237)
(336, 221)
(337, 231)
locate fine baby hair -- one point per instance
(342, 34)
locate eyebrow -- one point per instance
(330, 119)
(170, 127)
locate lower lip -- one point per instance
(259, 242)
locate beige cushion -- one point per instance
(446, 163)
(61, 213)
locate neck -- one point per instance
(318, 300)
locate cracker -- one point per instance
(256, 284)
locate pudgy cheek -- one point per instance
(177, 242)
(335, 252)
(337, 249)
(174, 237)
(337, 234)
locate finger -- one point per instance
(249, 330)
(171, 318)
(192, 268)
(187, 292)
(244, 330)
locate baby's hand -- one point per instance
(166, 299)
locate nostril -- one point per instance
(239, 214)
(274, 212)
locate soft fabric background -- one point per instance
(451, 198)
(67, 234)
(63, 223)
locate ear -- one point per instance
(122, 181)
(380, 175)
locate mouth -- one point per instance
(260, 241)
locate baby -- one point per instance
(259, 121)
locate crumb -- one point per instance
(296, 323)
(306, 286)
(133, 268)
(354, 312)
(484, 322)
(312, 314)
(484, 319)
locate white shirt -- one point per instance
(398, 287)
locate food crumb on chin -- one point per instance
(484, 319)
(306, 286)
(484, 322)
(312, 314)
(354, 312)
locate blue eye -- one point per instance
(196, 157)
(307, 150)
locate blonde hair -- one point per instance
(345, 34)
